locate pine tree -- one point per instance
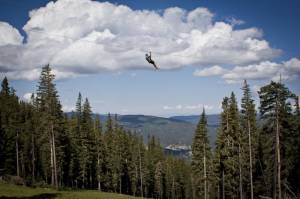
(109, 140)
(275, 110)
(5, 89)
(85, 126)
(9, 129)
(294, 174)
(233, 163)
(221, 153)
(79, 113)
(154, 154)
(74, 136)
(159, 179)
(248, 125)
(100, 151)
(89, 142)
(201, 158)
(228, 160)
(49, 106)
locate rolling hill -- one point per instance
(172, 130)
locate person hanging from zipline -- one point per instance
(150, 61)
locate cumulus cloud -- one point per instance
(266, 70)
(288, 70)
(84, 36)
(211, 71)
(9, 35)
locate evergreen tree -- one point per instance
(9, 129)
(228, 160)
(159, 180)
(154, 154)
(74, 136)
(294, 174)
(222, 144)
(201, 159)
(109, 138)
(248, 125)
(100, 151)
(275, 110)
(51, 116)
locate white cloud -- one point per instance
(84, 36)
(255, 89)
(30, 74)
(200, 106)
(263, 70)
(235, 22)
(9, 35)
(288, 70)
(27, 97)
(167, 108)
(177, 107)
(266, 70)
(211, 71)
(68, 108)
(189, 107)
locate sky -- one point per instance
(204, 49)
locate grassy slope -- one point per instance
(21, 191)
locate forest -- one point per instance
(256, 154)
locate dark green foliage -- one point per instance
(9, 126)
(202, 160)
(228, 148)
(277, 123)
(248, 141)
(43, 146)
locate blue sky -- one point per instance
(187, 81)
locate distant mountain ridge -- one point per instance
(172, 130)
(212, 120)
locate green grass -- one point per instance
(7, 190)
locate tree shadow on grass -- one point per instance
(40, 196)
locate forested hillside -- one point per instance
(42, 146)
(213, 120)
(173, 130)
(253, 158)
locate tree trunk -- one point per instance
(218, 190)
(83, 178)
(17, 154)
(240, 173)
(120, 175)
(173, 188)
(278, 152)
(54, 158)
(32, 158)
(141, 176)
(99, 175)
(275, 178)
(51, 159)
(250, 158)
(204, 166)
(23, 172)
(193, 188)
(223, 185)
(120, 186)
